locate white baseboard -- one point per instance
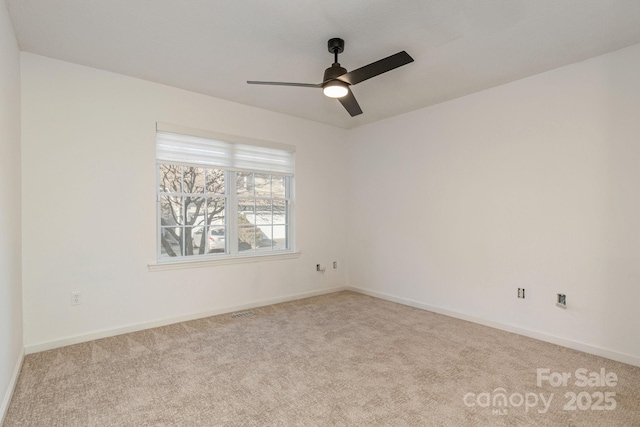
(587, 348)
(105, 333)
(4, 407)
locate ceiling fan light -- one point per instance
(335, 89)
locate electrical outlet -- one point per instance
(335, 264)
(521, 293)
(76, 298)
(562, 301)
(320, 269)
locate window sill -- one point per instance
(208, 262)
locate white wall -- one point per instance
(89, 204)
(10, 203)
(533, 184)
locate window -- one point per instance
(222, 198)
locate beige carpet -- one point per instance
(340, 359)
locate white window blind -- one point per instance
(196, 150)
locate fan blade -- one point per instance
(252, 82)
(376, 68)
(350, 104)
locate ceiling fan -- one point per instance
(337, 80)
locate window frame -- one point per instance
(232, 253)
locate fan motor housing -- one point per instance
(333, 72)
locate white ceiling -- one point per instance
(214, 46)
